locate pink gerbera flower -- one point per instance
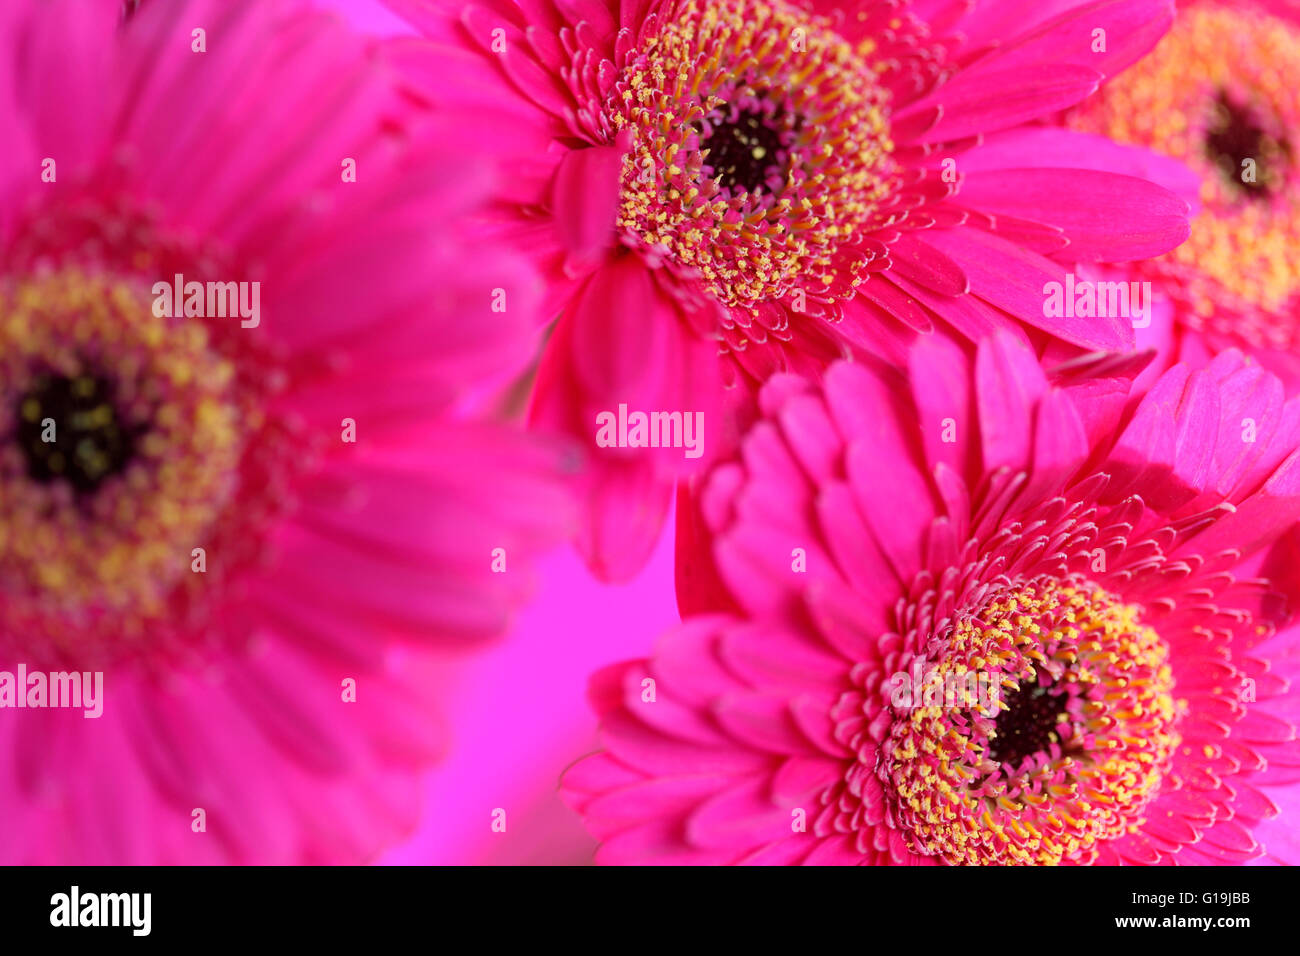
(1221, 93)
(241, 520)
(787, 182)
(936, 622)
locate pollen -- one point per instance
(760, 148)
(1071, 754)
(121, 435)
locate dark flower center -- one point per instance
(69, 429)
(1028, 727)
(749, 147)
(1236, 133)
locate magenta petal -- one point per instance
(1106, 216)
(894, 496)
(740, 818)
(1231, 837)
(859, 558)
(927, 266)
(1132, 28)
(810, 712)
(762, 721)
(1008, 384)
(593, 12)
(622, 338)
(669, 715)
(626, 506)
(996, 100)
(989, 22)
(657, 843)
(1197, 422)
(1260, 518)
(1251, 407)
(528, 76)
(1047, 146)
(615, 810)
(585, 196)
(803, 777)
(897, 304)
(788, 852)
(939, 378)
(836, 850)
(646, 750)
(1014, 280)
(596, 774)
(1060, 445)
(768, 657)
(806, 425)
(685, 661)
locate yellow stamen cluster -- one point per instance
(1242, 251)
(128, 546)
(1105, 762)
(751, 247)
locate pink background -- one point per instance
(516, 712)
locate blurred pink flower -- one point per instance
(215, 141)
(788, 183)
(1127, 593)
(1221, 93)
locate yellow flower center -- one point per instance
(121, 437)
(1068, 755)
(760, 147)
(1221, 93)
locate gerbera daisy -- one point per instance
(785, 182)
(1221, 93)
(1102, 617)
(241, 520)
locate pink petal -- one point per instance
(1106, 216)
(585, 199)
(998, 99)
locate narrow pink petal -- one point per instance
(927, 266)
(741, 818)
(1009, 382)
(585, 198)
(1132, 28)
(1014, 280)
(1106, 216)
(644, 749)
(1048, 146)
(1002, 98)
(939, 375)
(761, 720)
